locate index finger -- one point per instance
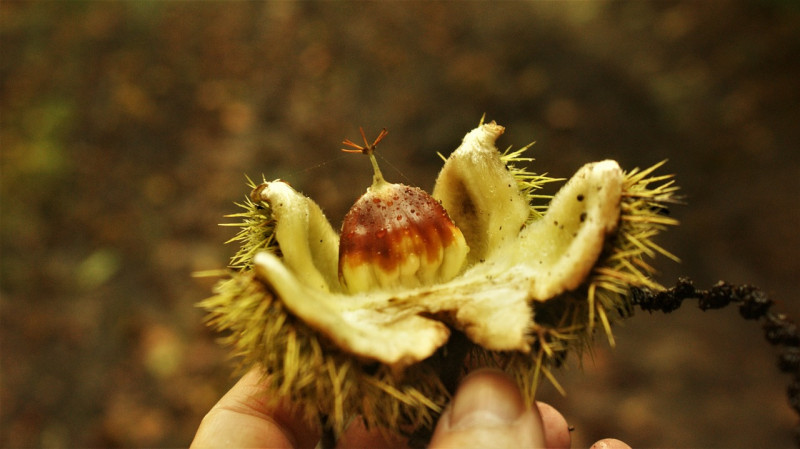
(246, 416)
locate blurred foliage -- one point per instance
(126, 130)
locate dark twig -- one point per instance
(754, 304)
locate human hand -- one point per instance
(487, 411)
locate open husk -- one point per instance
(538, 280)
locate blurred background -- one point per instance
(127, 129)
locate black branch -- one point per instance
(754, 304)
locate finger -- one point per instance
(556, 429)
(488, 411)
(245, 417)
(610, 443)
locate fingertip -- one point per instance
(486, 394)
(223, 427)
(555, 427)
(610, 443)
(246, 416)
(488, 410)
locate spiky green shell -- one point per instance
(312, 364)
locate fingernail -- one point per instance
(486, 399)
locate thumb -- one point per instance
(488, 411)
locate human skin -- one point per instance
(487, 411)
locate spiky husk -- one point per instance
(256, 231)
(302, 366)
(298, 363)
(566, 324)
(528, 183)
